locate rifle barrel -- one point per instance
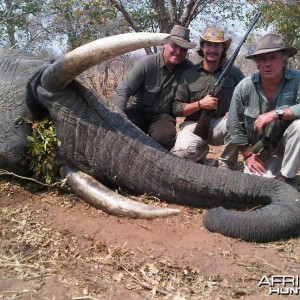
(237, 50)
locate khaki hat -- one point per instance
(272, 42)
(181, 37)
(215, 35)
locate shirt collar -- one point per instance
(287, 73)
(200, 66)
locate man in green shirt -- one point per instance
(265, 112)
(193, 95)
(151, 84)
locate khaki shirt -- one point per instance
(249, 101)
(151, 84)
(196, 83)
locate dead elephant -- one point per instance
(99, 144)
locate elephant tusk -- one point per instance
(58, 75)
(99, 196)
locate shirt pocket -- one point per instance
(151, 93)
(287, 99)
(198, 91)
(251, 114)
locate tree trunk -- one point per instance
(10, 24)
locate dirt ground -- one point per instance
(54, 246)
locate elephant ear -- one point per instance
(99, 196)
(58, 75)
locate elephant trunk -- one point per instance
(277, 220)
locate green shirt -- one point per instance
(195, 83)
(249, 101)
(151, 84)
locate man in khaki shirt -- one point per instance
(151, 85)
(265, 112)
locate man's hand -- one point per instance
(206, 103)
(255, 164)
(209, 102)
(263, 120)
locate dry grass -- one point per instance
(31, 250)
(34, 252)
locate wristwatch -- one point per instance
(280, 113)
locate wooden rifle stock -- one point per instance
(203, 124)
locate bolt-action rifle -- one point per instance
(203, 124)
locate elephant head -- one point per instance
(99, 144)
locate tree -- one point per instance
(80, 21)
(282, 17)
(37, 24)
(154, 15)
(17, 21)
(159, 15)
(276, 16)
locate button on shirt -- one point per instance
(195, 83)
(151, 84)
(249, 102)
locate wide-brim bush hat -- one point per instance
(181, 37)
(269, 43)
(215, 35)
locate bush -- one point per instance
(41, 149)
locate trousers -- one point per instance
(161, 127)
(193, 147)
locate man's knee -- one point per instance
(296, 124)
(293, 130)
(136, 117)
(197, 155)
(163, 130)
(164, 137)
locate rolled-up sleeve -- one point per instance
(296, 110)
(294, 79)
(235, 122)
(181, 98)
